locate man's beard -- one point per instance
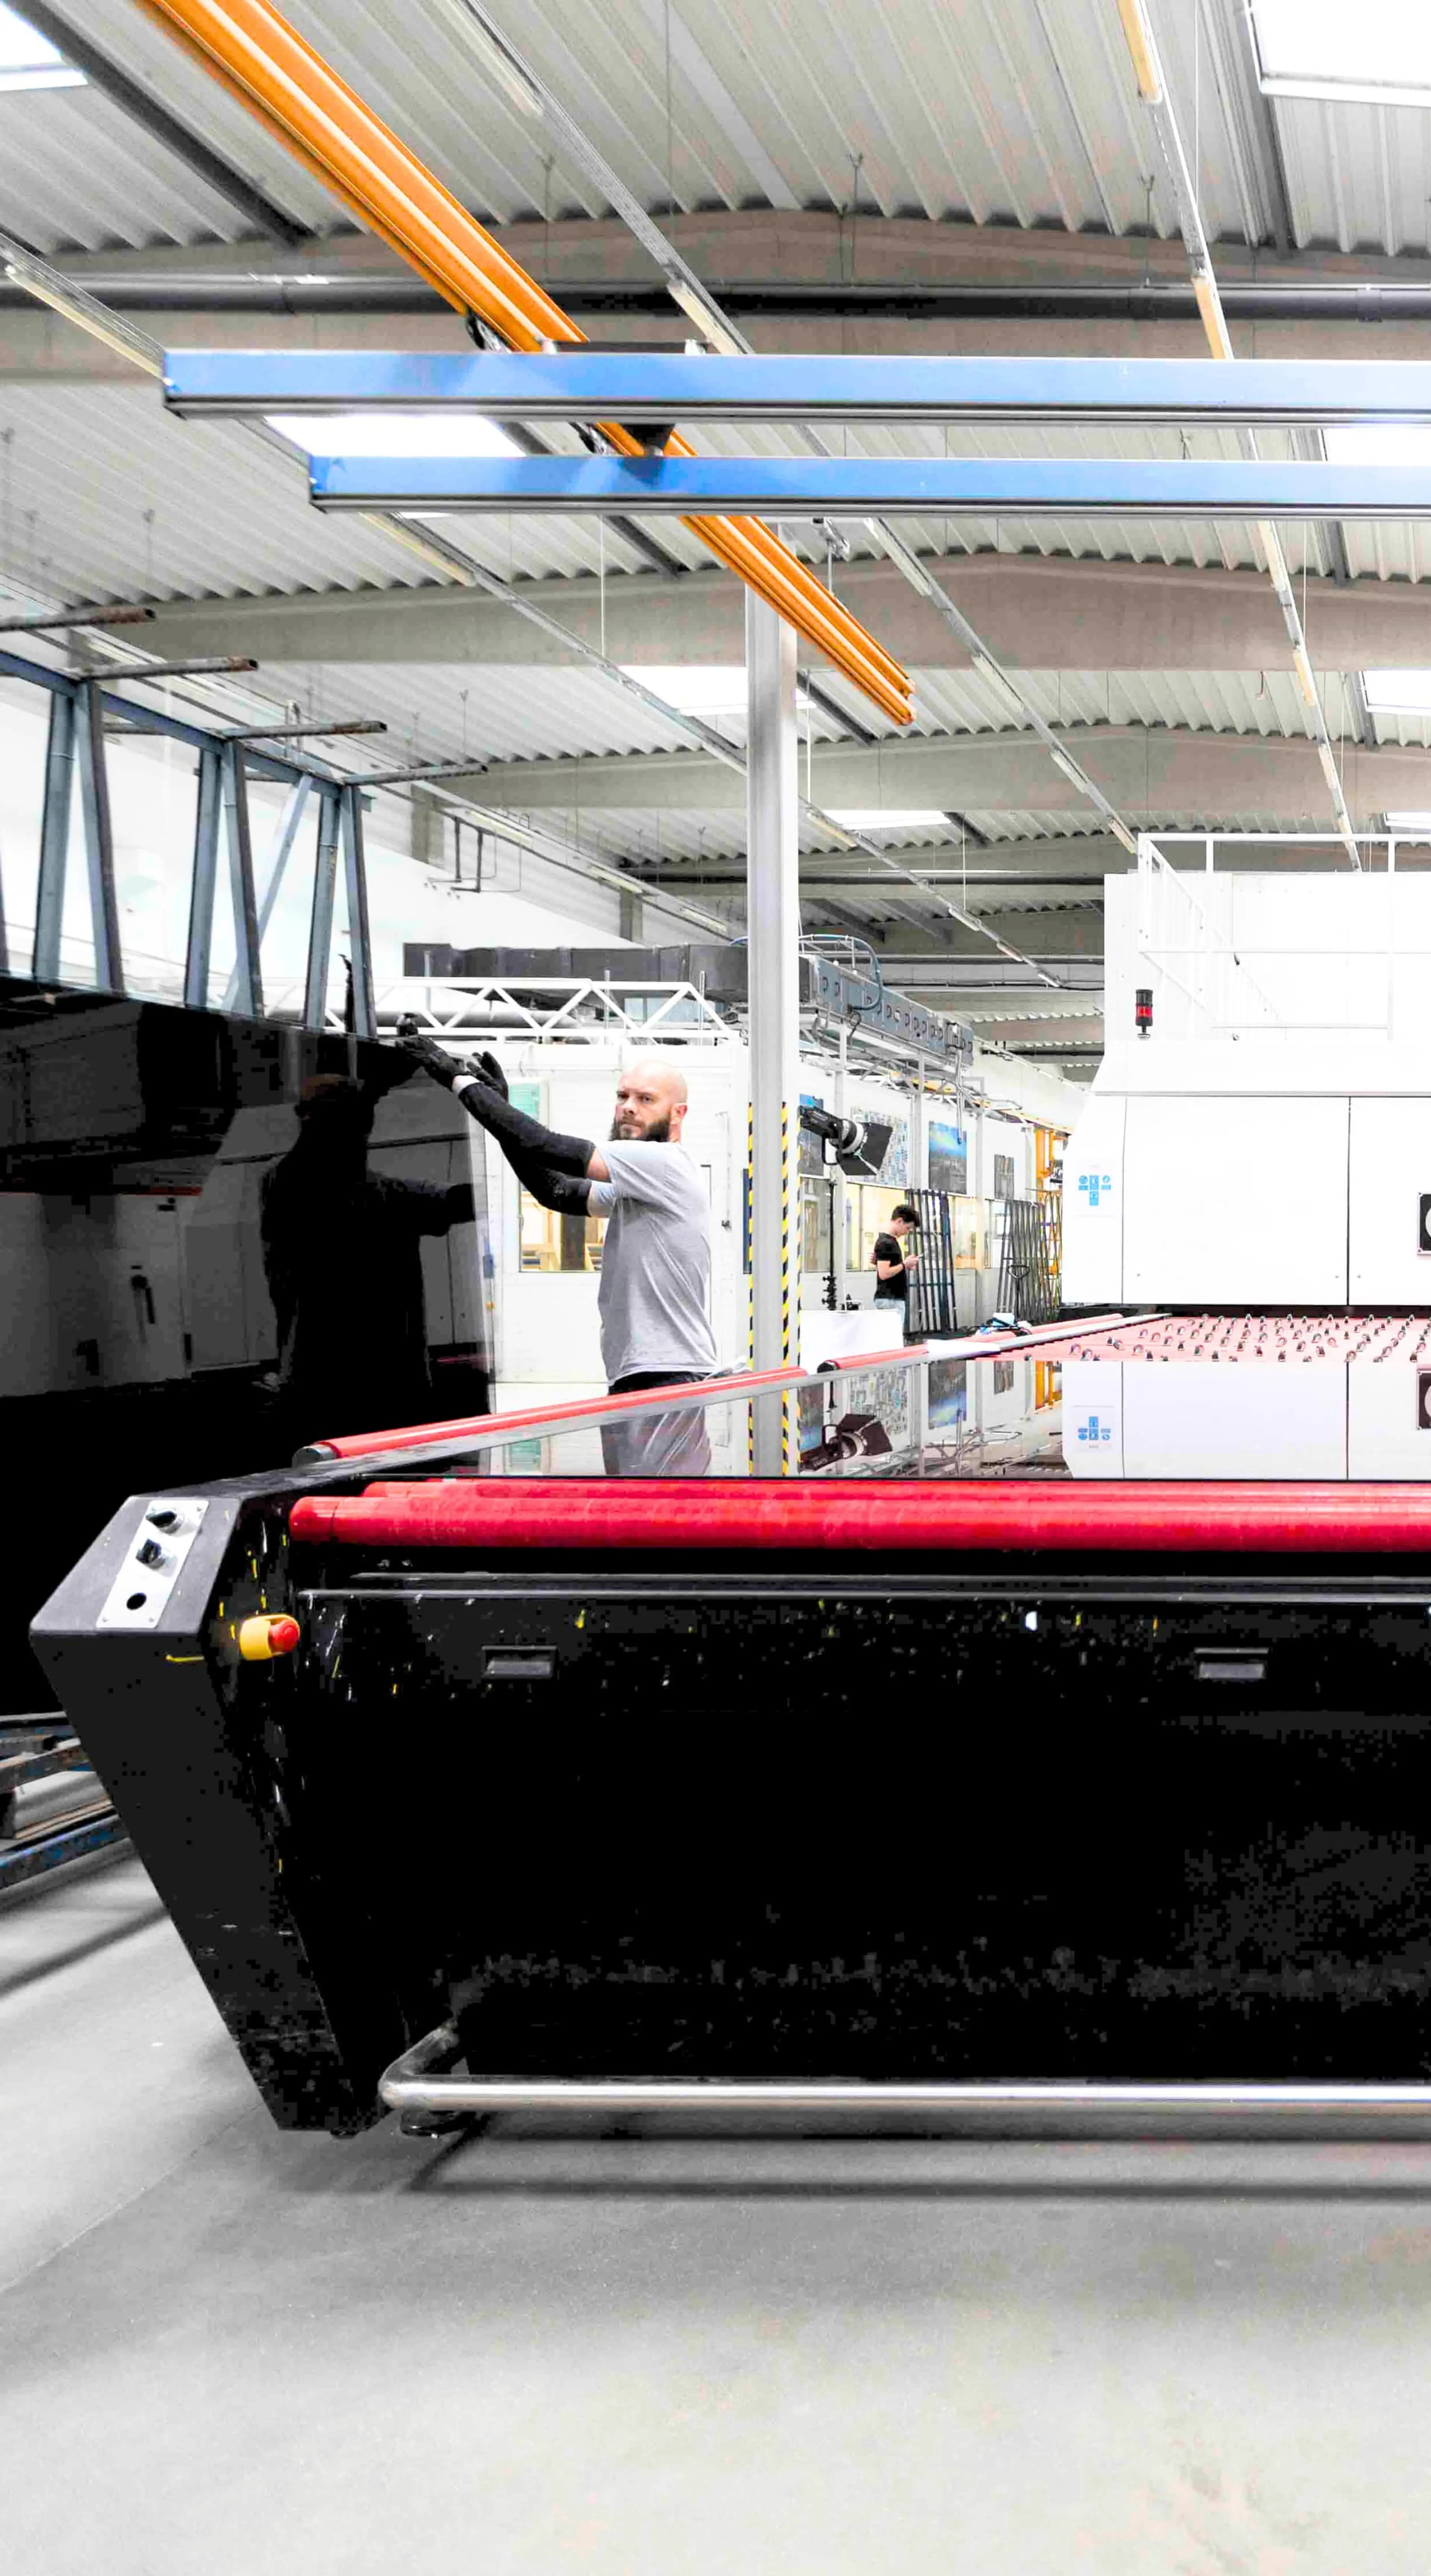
(660, 1134)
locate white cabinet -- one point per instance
(1391, 1202)
(1235, 1202)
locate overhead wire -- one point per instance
(1154, 92)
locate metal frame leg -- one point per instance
(98, 836)
(208, 814)
(247, 977)
(773, 939)
(54, 837)
(320, 926)
(295, 806)
(365, 1018)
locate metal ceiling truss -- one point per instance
(583, 1008)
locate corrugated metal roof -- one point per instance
(78, 174)
(1020, 112)
(102, 495)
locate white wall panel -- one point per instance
(1236, 1202)
(1390, 1177)
(1093, 1172)
(1242, 1419)
(1385, 1438)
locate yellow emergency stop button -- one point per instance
(261, 1638)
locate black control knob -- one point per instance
(162, 1515)
(151, 1553)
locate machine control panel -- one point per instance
(162, 1539)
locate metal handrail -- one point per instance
(409, 2085)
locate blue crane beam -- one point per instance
(592, 383)
(800, 487)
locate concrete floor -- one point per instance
(223, 2350)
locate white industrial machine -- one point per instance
(1265, 1140)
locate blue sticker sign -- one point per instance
(1095, 1185)
(1093, 1429)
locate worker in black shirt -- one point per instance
(893, 1263)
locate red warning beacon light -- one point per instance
(1143, 1010)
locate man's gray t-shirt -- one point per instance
(655, 1264)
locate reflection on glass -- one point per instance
(196, 1276)
(342, 1255)
(552, 1239)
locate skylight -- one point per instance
(28, 61)
(387, 433)
(1378, 53)
(699, 688)
(1398, 693)
(891, 818)
(1378, 445)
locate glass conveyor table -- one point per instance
(1045, 1747)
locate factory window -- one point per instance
(969, 1218)
(1003, 1176)
(870, 1210)
(555, 1242)
(814, 1225)
(1003, 1377)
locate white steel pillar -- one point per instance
(773, 939)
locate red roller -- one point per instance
(652, 1514)
(487, 1426)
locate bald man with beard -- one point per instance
(656, 1264)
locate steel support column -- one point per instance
(360, 951)
(773, 938)
(55, 837)
(98, 836)
(320, 927)
(208, 814)
(248, 978)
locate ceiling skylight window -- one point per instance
(1378, 445)
(697, 688)
(1376, 54)
(891, 818)
(28, 61)
(1398, 693)
(393, 433)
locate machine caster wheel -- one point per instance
(442, 2124)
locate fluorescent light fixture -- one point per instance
(697, 688)
(1376, 55)
(28, 61)
(378, 433)
(1398, 693)
(892, 818)
(1417, 826)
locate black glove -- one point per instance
(433, 1059)
(490, 1069)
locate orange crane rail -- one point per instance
(283, 81)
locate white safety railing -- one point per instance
(1232, 986)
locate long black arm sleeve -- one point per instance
(517, 1134)
(551, 1189)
